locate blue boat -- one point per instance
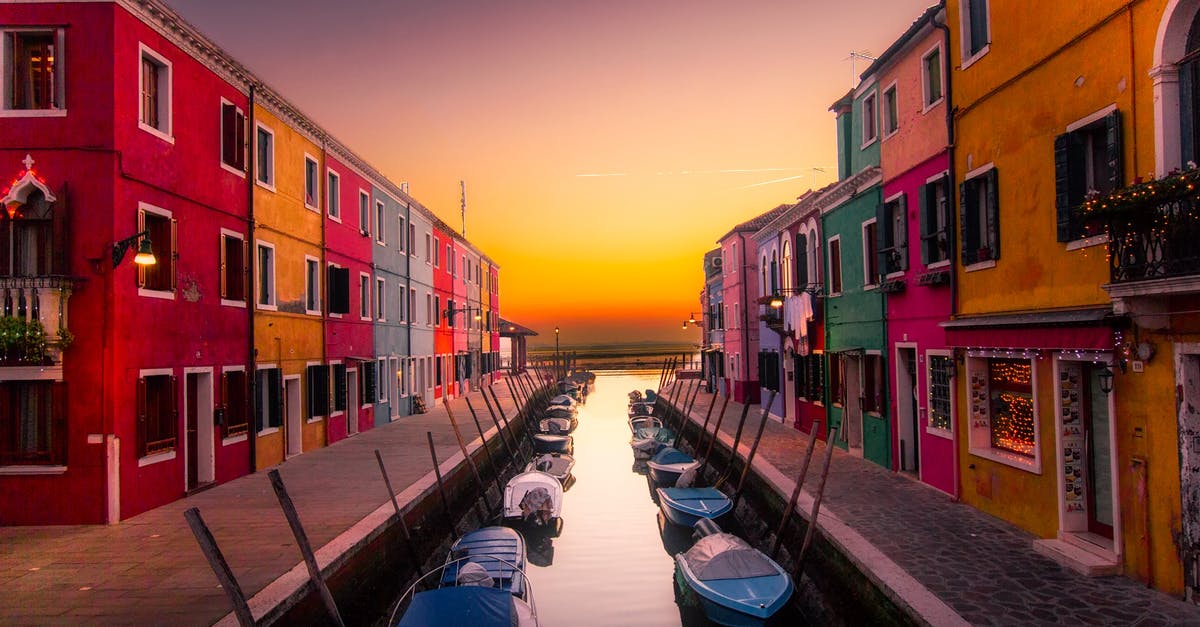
(668, 464)
(553, 443)
(647, 441)
(482, 583)
(685, 506)
(737, 585)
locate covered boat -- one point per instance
(736, 583)
(563, 399)
(552, 443)
(558, 424)
(647, 441)
(668, 464)
(639, 422)
(560, 411)
(641, 409)
(685, 506)
(533, 499)
(557, 465)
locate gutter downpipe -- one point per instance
(745, 315)
(252, 375)
(409, 361)
(953, 195)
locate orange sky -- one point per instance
(689, 109)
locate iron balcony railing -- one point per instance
(1158, 242)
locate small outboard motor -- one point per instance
(704, 527)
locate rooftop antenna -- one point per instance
(463, 188)
(854, 56)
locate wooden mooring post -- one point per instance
(412, 551)
(504, 439)
(762, 425)
(220, 567)
(816, 508)
(437, 473)
(791, 506)
(487, 449)
(704, 432)
(737, 440)
(310, 558)
(462, 446)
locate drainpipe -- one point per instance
(952, 194)
(323, 203)
(252, 357)
(745, 310)
(408, 287)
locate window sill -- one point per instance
(233, 170)
(270, 187)
(233, 440)
(314, 420)
(890, 134)
(336, 217)
(336, 316)
(163, 294)
(982, 265)
(968, 62)
(867, 144)
(233, 303)
(31, 470)
(895, 275)
(33, 113)
(937, 265)
(157, 458)
(1020, 462)
(156, 132)
(268, 431)
(930, 106)
(939, 432)
(312, 312)
(1088, 242)
(266, 307)
(870, 287)
(312, 208)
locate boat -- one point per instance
(553, 443)
(557, 465)
(482, 583)
(685, 506)
(641, 409)
(669, 463)
(560, 411)
(640, 422)
(564, 400)
(736, 584)
(533, 499)
(647, 441)
(558, 425)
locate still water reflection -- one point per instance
(609, 566)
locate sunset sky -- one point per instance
(605, 145)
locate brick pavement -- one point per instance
(149, 570)
(946, 561)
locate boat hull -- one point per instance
(668, 474)
(547, 443)
(745, 602)
(686, 506)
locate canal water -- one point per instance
(610, 565)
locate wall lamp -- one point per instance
(691, 320)
(777, 298)
(144, 256)
(449, 313)
(1106, 379)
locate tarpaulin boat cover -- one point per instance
(537, 505)
(671, 455)
(469, 605)
(651, 396)
(556, 425)
(472, 574)
(726, 556)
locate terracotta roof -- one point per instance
(516, 329)
(898, 45)
(757, 222)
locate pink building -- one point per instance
(915, 233)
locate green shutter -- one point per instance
(925, 222)
(966, 220)
(1115, 151)
(993, 213)
(1062, 187)
(901, 235)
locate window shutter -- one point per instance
(339, 290)
(58, 422)
(947, 231)
(141, 270)
(339, 386)
(901, 235)
(174, 400)
(311, 396)
(141, 416)
(883, 231)
(1116, 152)
(224, 266)
(925, 221)
(259, 411)
(173, 255)
(240, 142)
(965, 222)
(222, 413)
(993, 213)
(275, 398)
(369, 394)
(801, 255)
(228, 133)
(58, 234)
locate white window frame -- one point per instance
(60, 82)
(929, 428)
(872, 97)
(964, 18)
(380, 299)
(412, 305)
(329, 265)
(364, 290)
(269, 184)
(334, 412)
(261, 394)
(428, 257)
(437, 251)
(898, 196)
(168, 294)
(245, 265)
(979, 438)
(165, 108)
(316, 287)
(926, 105)
(216, 396)
(364, 211)
(943, 176)
(180, 437)
(429, 309)
(333, 197)
(973, 174)
(221, 137)
(402, 243)
(885, 113)
(315, 206)
(380, 216)
(383, 387)
(273, 305)
(829, 263)
(868, 281)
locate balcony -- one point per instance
(772, 316)
(34, 299)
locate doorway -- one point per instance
(1188, 376)
(199, 428)
(852, 376)
(292, 410)
(907, 425)
(1098, 429)
(351, 402)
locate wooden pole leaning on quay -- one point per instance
(511, 453)
(220, 567)
(704, 430)
(791, 506)
(437, 472)
(462, 446)
(687, 413)
(737, 440)
(700, 473)
(737, 493)
(412, 552)
(662, 375)
(682, 400)
(310, 558)
(816, 508)
(511, 427)
(487, 449)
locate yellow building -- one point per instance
(287, 284)
(1052, 104)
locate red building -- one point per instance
(141, 394)
(443, 295)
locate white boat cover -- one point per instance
(472, 574)
(537, 506)
(726, 556)
(556, 425)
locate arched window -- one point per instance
(27, 240)
(786, 268)
(802, 279)
(765, 284)
(1189, 95)
(774, 271)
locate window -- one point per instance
(437, 252)
(412, 239)
(29, 244)
(837, 384)
(428, 309)
(449, 313)
(318, 391)
(402, 237)
(891, 112)
(810, 377)
(382, 369)
(402, 304)
(873, 382)
(33, 423)
(33, 68)
(980, 218)
(437, 309)
(364, 296)
(233, 137)
(428, 248)
(768, 370)
(312, 285)
(450, 260)
(893, 237)
(339, 386)
(869, 130)
(1087, 158)
(940, 367)
(935, 220)
(312, 183)
(369, 391)
(160, 228)
(158, 414)
(1002, 407)
(870, 245)
(412, 305)
(976, 35)
(333, 192)
(233, 268)
(380, 300)
(380, 232)
(931, 76)
(264, 155)
(268, 412)
(234, 403)
(733, 257)
(338, 288)
(154, 112)
(266, 276)
(364, 213)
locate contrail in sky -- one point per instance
(772, 181)
(689, 172)
(595, 174)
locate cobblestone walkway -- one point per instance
(983, 568)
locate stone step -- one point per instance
(1091, 563)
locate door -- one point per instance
(853, 411)
(191, 417)
(1189, 475)
(293, 411)
(394, 382)
(908, 434)
(352, 402)
(1097, 429)
(200, 427)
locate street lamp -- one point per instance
(556, 346)
(144, 256)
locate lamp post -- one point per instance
(556, 364)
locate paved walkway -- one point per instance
(149, 569)
(946, 561)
